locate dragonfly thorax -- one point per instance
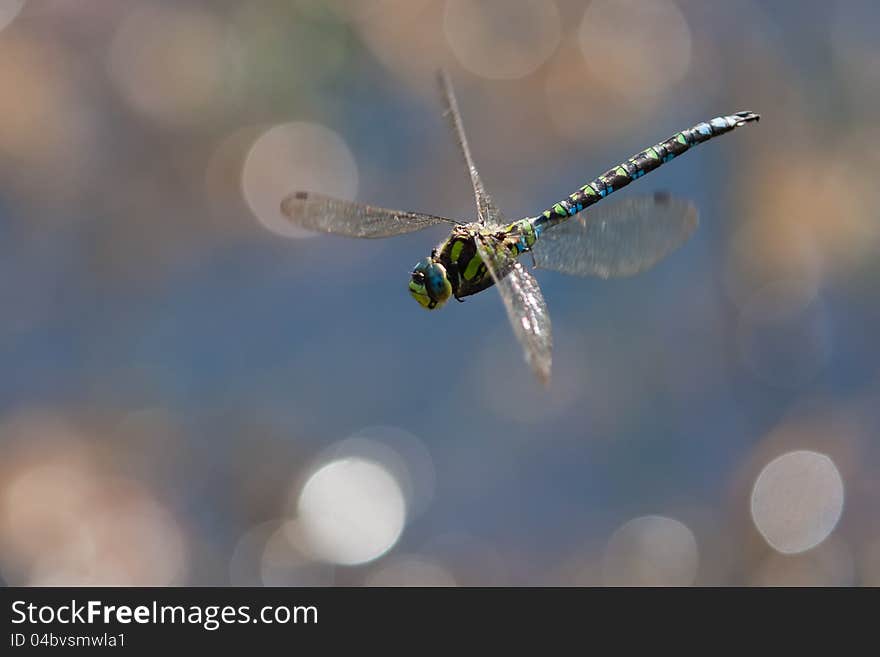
(456, 268)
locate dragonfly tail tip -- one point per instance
(747, 117)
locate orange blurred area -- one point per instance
(197, 392)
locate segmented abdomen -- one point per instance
(638, 165)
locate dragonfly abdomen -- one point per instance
(638, 165)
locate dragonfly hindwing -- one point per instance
(524, 303)
(618, 239)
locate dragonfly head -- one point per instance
(429, 284)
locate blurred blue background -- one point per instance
(194, 392)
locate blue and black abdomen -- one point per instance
(638, 165)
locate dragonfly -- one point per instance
(616, 239)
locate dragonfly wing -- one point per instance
(488, 212)
(618, 239)
(525, 307)
(332, 215)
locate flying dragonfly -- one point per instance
(616, 239)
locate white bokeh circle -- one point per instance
(797, 500)
(351, 511)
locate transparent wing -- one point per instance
(525, 307)
(331, 215)
(488, 212)
(618, 239)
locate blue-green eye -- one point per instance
(435, 280)
(429, 285)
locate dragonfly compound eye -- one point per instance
(429, 284)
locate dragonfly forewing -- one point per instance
(488, 211)
(332, 215)
(617, 239)
(524, 304)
